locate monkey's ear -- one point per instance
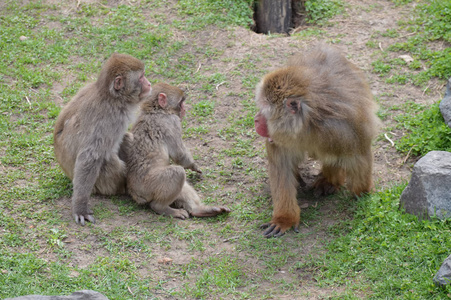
(162, 100)
(118, 83)
(293, 105)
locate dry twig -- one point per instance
(391, 142)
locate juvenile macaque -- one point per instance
(318, 105)
(157, 138)
(90, 129)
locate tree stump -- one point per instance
(273, 16)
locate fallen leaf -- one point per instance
(406, 58)
(165, 260)
(74, 274)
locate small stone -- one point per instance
(79, 295)
(23, 38)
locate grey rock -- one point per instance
(443, 276)
(445, 104)
(429, 190)
(79, 295)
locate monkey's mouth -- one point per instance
(260, 127)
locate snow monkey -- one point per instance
(91, 127)
(157, 139)
(318, 105)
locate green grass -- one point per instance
(430, 24)
(425, 130)
(372, 249)
(201, 13)
(387, 251)
(222, 275)
(320, 11)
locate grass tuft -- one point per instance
(431, 24)
(425, 130)
(390, 252)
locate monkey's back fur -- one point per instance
(81, 130)
(91, 128)
(150, 133)
(319, 104)
(157, 138)
(337, 106)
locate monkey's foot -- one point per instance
(80, 218)
(322, 187)
(361, 190)
(277, 229)
(209, 211)
(169, 211)
(178, 213)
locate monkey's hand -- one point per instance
(83, 215)
(194, 168)
(277, 229)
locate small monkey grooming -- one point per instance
(319, 105)
(91, 130)
(157, 138)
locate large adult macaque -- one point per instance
(318, 105)
(157, 138)
(91, 128)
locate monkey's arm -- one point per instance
(178, 151)
(125, 147)
(182, 156)
(283, 185)
(86, 170)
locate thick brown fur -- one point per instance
(91, 128)
(318, 105)
(157, 139)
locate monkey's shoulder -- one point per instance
(155, 128)
(86, 94)
(158, 121)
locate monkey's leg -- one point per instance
(283, 184)
(64, 157)
(332, 177)
(359, 174)
(111, 180)
(86, 170)
(112, 177)
(164, 185)
(189, 200)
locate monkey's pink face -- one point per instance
(146, 87)
(260, 125)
